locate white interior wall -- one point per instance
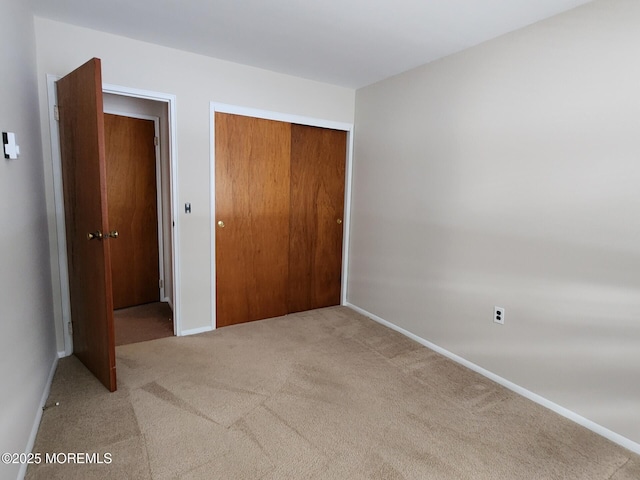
(196, 81)
(509, 175)
(131, 105)
(27, 342)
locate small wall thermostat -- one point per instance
(11, 150)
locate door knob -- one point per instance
(339, 221)
(111, 234)
(97, 235)
(220, 223)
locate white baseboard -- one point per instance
(36, 423)
(195, 331)
(580, 420)
(63, 354)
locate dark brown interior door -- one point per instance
(252, 218)
(318, 158)
(132, 193)
(85, 191)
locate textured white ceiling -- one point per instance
(351, 43)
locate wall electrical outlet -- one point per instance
(498, 315)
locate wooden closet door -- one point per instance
(318, 157)
(133, 211)
(252, 218)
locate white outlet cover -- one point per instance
(498, 315)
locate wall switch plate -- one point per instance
(498, 315)
(11, 150)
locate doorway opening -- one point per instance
(139, 203)
(128, 101)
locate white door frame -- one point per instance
(159, 209)
(170, 100)
(282, 117)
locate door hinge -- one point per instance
(156, 141)
(70, 328)
(161, 283)
(56, 113)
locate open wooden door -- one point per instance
(85, 205)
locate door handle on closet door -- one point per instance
(97, 235)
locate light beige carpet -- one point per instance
(327, 394)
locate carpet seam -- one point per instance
(619, 468)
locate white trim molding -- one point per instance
(534, 397)
(36, 422)
(60, 219)
(289, 118)
(195, 331)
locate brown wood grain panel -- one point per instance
(318, 157)
(132, 195)
(252, 199)
(84, 188)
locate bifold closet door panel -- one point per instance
(252, 218)
(318, 158)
